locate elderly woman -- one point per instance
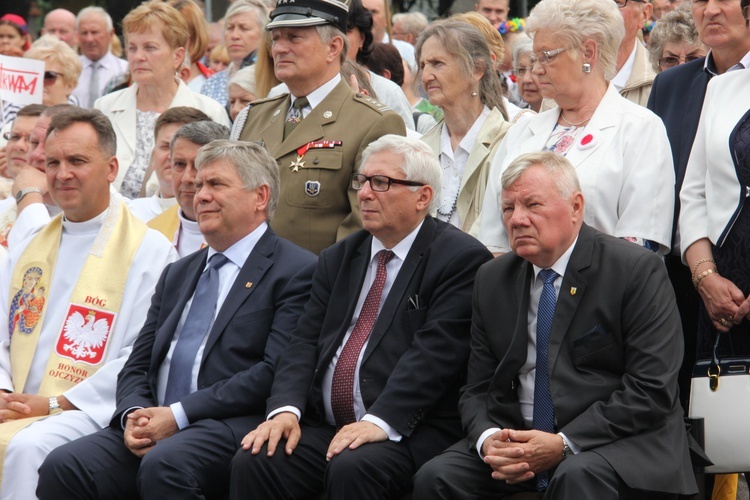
(155, 39)
(620, 150)
(674, 40)
(242, 90)
(528, 90)
(458, 76)
(244, 24)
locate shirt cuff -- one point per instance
(127, 412)
(393, 434)
(483, 437)
(290, 409)
(573, 447)
(178, 412)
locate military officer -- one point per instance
(318, 130)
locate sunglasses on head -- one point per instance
(51, 76)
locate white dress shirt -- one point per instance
(111, 67)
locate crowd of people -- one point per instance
(315, 248)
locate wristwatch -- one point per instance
(54, 406)
(23, 192)
(567, 451)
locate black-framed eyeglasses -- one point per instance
(624, 3)
(50, 77)
(545, 56)
(380, 183)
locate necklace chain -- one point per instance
(562, 116)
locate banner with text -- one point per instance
(21, 80)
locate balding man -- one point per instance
(62, 24)
(100, 65)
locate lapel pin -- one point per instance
(573, 290)
(248, 284)
(277, 112)
(327, 115)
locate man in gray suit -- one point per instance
(576, 345)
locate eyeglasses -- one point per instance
(11, 137)
(623, 3)
(521, 71)
(50, 77)
(672, 61)
(545, 56)
(380, 183)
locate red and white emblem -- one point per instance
(85, 333)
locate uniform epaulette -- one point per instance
(268, 99)
(371, 102)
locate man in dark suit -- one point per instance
(204, 360)
(572, 379)
(677, 98)
(379, 354)
(317, 131)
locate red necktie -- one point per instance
(342, 387)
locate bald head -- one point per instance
(62, 24)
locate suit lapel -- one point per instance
(273, 134)
(572, 290)
(166, 332)
(396, 294)
(247, 281)
(601, 128)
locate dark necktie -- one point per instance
(295, 115)
(342, 386)
(196, 326)
(544, 411)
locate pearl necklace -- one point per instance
(562, 116)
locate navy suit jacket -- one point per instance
(415, 360)
(250, 331)
(615, 349)
(677, 97)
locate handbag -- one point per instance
(720, 395)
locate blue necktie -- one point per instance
(198, 320)
(544, 411)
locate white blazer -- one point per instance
(624, 165)
(120, 108)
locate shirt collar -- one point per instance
(709, 66)
(561, 264)
(316, 96)
(467, 143)
(621, 78)
(401, 249)
(239, 252)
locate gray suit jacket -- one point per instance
(614, 353)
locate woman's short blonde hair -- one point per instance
(575, 21)
(52, 50)
(156, 14)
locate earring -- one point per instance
(586, 68)
(473, 94)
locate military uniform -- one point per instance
(316, 205)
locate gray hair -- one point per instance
(674, 27)
(245, 79)
(241, 6)
(99, 12)
(200, 133)
(521, 47)
(467, 44)
(575, 21)
(412, 22)
(253, 164)
(420, 164)
(557, 166)
(327, 32)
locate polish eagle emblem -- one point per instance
(85, 335)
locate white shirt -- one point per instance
(151, 206)
(527, 372)
(237, 255)
(621, 78)
(401, 250)
(111, 67)
(316, 96)
(189, 237)
(453, 164)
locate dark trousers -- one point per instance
(192, 464)
(459, 473)
(372, 471)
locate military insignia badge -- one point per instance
(312, 188)
(85, 334)
(327, 115)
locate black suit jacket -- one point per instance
(677, 97)
(250, 331)
(415, 359)
(614, 352)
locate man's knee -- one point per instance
(428, 480)
(61, 471)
